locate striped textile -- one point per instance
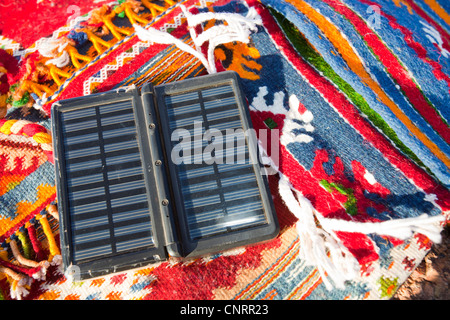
(403, 78)
(354, 92)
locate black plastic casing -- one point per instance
(194, 248)
(168, 213)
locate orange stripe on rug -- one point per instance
(265, 278)
(354, 62)
(303, 290)
(438, 10)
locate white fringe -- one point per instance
(155, 36)
(20, 291)
(54, 48)
(320, 247)
(238, 29)
(400, 228)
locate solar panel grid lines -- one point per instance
(108, 201)
(124, 202)
(208, 191)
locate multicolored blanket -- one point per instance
(352, 94)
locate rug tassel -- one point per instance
(40, 267)
(24, 242)
(238, 28)
(32, 235)
(16, 280)
(33, 272)
(401, 228)
(18, 283)
(320, 247)
(55, 255)
(315, 244)
(23, 270)
(20, 278)
(155, 36)
(53, 211)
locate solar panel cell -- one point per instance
(124, 202)
(108, 201)
(205, 190)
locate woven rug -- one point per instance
(353, 96)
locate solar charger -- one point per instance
(170, 170)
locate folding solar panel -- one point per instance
(172, 170)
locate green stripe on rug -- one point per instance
(303, 47)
